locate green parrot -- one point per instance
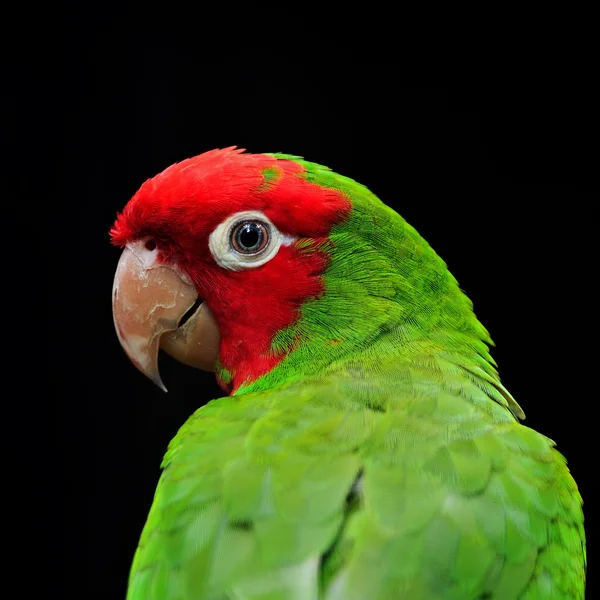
(366, 448)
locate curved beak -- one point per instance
(149, 303)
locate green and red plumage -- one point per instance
(160, 208)
(368, 448)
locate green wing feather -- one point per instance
(304, 493)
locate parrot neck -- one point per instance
(385, 292)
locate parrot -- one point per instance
(364, 447)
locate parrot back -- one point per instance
(380, 481)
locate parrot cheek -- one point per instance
(149, 300)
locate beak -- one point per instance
(149, 302)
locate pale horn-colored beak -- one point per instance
(149, 301)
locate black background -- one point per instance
(499, 177)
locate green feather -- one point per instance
(389, 464)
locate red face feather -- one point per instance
(184, 204)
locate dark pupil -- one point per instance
(249, 236)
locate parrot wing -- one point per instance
(354, 486)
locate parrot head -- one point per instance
(265, 267)
(220, 252)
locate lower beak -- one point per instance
(149, 302)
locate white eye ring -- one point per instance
(224, 252)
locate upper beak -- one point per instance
(149, 301)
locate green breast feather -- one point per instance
(396, 469)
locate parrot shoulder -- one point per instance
(253, 492)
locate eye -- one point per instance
(250, 237)
(246, 240)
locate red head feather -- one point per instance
(183, 205)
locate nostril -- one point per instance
(150, 244)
